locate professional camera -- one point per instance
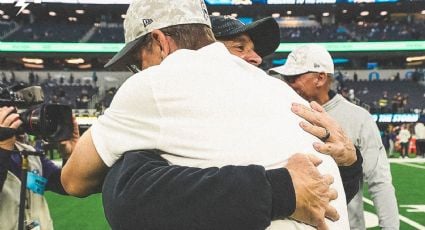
(52, 122)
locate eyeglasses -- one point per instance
(133, 68)
(292, 79)
(136, 59)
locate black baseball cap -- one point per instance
(264, 33)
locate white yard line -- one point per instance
(411, 165)
(402, 218)
(407, 160)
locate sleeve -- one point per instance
(141, 189)
(4, 166)
(53, 175)
(377, 174)
(128, 124)
(351, 177)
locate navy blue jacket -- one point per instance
(141, 191)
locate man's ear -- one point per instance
(321, 79)
(161, 41)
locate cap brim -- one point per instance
(264, 33)
(122, 58)
(288, 71)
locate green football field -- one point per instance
(408, 179)
(409, 183)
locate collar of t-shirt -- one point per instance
(216, 49)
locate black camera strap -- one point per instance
(6, 133)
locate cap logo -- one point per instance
(204, 10)
(316, 65)
(146, 22)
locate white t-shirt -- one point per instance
(404, 135)
(209, 108)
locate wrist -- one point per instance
(355, 168)
(354, 160)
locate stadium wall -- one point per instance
(376, 74)
(105, 79)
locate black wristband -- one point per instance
(283, 193)
(354, 169)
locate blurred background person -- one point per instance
(420, 139)
(250, 42)
(43, 175)
(404, 137)
(309, 70)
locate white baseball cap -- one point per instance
(306, 58)
(144, 16)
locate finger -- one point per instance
(314, 105)
(316, 131)
(4, 113)
(76, 131)
(333, 194)
(303, 112)
(314, 159)
(328, 179)
(4, 109)
(322, 225)
(63, 143)
(331, 213)
(16, 124)
(325, 148)
(10, 119)
(315, 115)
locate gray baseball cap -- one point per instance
(144, 16)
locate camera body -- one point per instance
(53, 122)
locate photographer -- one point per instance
(41, 170)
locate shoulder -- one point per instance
(138, 83)
(353, 107)
(344, 109)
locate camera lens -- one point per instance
(51, 121)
